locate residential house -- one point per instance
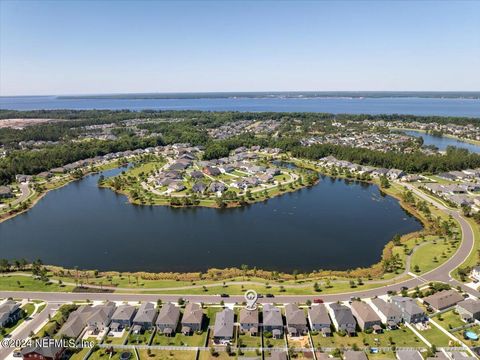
(443, 299)
(5, 192)
(411, 312)
(23, 178)
(199, 187)
(176, 186)
(101, 316)
(319, 319)
(249, 321)
(212, 171)
(394, 174)
(192, 318)
(123, 317)
(296, 320)
(10, 312)
(145, 317)
(179, 165)
(223, 328)
(408, 355)
(354, 355)
(217, 187)
(366, 317)
(379, 172)
(469, 310)
(447, 176)
(77, 321)
(39, 352)
(390, 314)
(197, 174)
(167, 321)
(342, 318)
(272, 320)
(475, 274)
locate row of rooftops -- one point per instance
(392, 174)
(101, 316)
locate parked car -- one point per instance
(224, 295)
(270, 295)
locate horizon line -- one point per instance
(248, 92)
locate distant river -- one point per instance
(441, 142)
(386, 105)
(333, 225)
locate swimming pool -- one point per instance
(470, 335)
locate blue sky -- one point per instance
(80, 47)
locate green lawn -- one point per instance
(271, 342)
(180, 340)
(250, 341)
(221, 355)
(16, 282)
(100, 354)
(432, 255)
(435, 336)
(402, 337)
(166, 355)
(54, 324)
(449, 320)
(80, 354)
(140, 339)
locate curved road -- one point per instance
(442, 273)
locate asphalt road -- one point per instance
(442, 273)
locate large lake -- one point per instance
(441, 142)
(333, 225)
(385, 105)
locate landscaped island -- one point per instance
(177, 176)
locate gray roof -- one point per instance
(169, 315)
(294, 315)
(272, 316)
(387, 309)
(146, 313)
(354, 355)
(364, 311)
(73, 327)
(248, 316)
(99, 313)
(193, 314)
(472, 306)
(124, 312)
(443, 299)
(8, 307)
(319, 315)
(409, 304)
(224, 324)
(409, 355)
(342, 314)
(5, 190)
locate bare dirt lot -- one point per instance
(21, 123)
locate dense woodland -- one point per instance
(190, 127)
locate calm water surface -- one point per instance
(387, 105)
(441, 142)
(333, 225)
